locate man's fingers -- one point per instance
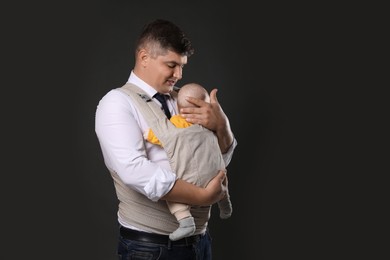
(213, 96)
(196, 101)
(190, 110)
(222, 175)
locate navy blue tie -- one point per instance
(162, 98)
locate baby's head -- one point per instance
(191, 90)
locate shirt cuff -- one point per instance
(159, 185)
(227, 157)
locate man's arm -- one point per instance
(188, 193)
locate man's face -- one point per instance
(164, 71)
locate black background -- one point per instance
(289, 79)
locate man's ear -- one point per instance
(143, 57)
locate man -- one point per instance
(141, 172)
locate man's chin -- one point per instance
(170, 88)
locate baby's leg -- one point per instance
(186, 221)
(225, 207)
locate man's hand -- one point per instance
(217, 187)
(211, 116)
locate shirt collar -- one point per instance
(134, 79)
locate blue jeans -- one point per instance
(135, 250)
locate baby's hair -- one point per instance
(191, 90)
